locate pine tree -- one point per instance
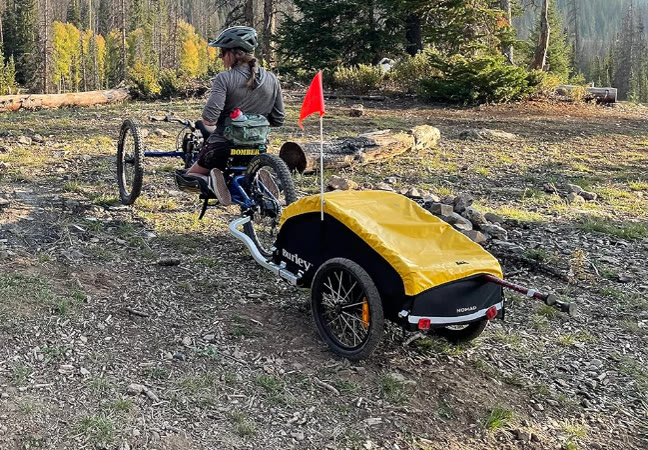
(74, 13)
(327, 34)
(25, 51)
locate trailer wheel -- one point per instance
(269, 184)
(130, 162)
(347, 308)
(462, 333)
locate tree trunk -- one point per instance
(248, 13)
(540, 55)
(349, 151)
(38, 101)
(507, 49)
(269, 24)
(123, 40)
(46, 69)
(413, 34)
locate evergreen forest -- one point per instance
(463, 51)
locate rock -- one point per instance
(486, 134)
(493, 218)
(179, 356)
(160, 132)
(431, 198)
(4, 202)
(391, 180)
(85, 372)
(413, 193)
(459, 222)
(299, 435)
(538, 407)
(523, 436)
(576, 189)
(38, 139)
(209, 337)
(356, 111)
(186, 341)
(384, 187)
(24, 140)
(462, 201)
(66, 369)
(425, 136)
(440, 209)
(144, 132)
(474, 235)
(550, 188)
(134, 389)
(625, 278)
(476, 217)
(168, 262)
(574, 198)
(448, 199)
(596, 363)
(341, 184)
(4, 149)
(589, 196)
(496, 231)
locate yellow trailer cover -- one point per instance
(423, 249)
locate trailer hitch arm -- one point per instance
(548, 299)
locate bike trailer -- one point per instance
(378, 255)
(419, 263)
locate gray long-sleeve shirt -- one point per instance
(229, 91)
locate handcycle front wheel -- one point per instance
(269, 185)
(130, 162)
(347, 308)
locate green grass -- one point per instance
(97, 429)
(20, 374)
(498, 418)
(99, 384)
(627, 230)
(121, 405)
(391, 389)
(272, 385)
(537, 254)
(193, 384)
(242, 425)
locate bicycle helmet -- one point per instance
(237, 37)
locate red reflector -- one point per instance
(491, 312)
(424, 324)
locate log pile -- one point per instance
(39, 101)
(303, 157)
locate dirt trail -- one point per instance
(228, 355)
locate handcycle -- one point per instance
(247, 168)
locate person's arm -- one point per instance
(277, 115)
(215, 103)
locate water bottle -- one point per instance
(238, 116)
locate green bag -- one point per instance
(253, 131)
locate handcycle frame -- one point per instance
(190, 156)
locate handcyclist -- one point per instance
(245, 86)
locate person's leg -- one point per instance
(197, 169)
(211, 163)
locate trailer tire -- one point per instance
(130, 154)
(465, 334)
(359, 311)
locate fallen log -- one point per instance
(38, 101)
(303, 157)
(603, 95)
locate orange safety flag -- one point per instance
(314, 100)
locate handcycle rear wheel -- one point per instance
(130, 162)
(269, 200)
(347, 308)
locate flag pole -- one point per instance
(322, 167)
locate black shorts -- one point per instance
(214, 155)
